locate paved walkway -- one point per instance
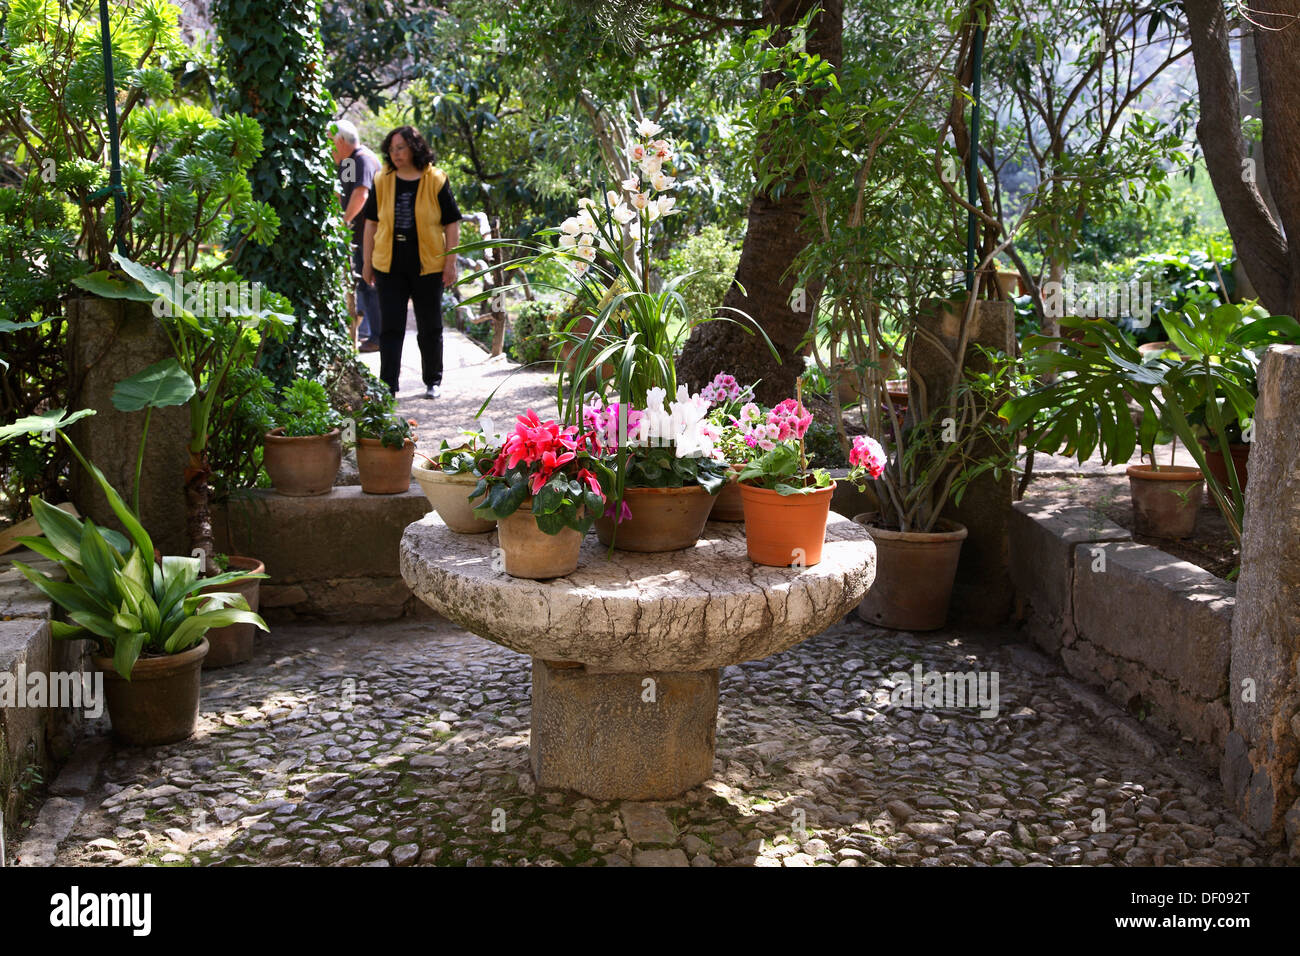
(408, 743)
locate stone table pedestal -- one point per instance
(627, 650)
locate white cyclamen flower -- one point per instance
(647, 129)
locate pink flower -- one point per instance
(591, 481)
(624, 515)
(867, 453)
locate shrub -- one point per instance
(712, 255)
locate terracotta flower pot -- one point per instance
(384, 470)
(914, 575)
(532, 553)
(300, 467)
(160, 703)
(663, 519)
(1214, 459)
(781, 530)
(449, 496)
(727, 503)
(1165, 499)
(233, 644)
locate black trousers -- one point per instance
(396, 288)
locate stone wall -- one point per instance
(32, 739)
(1152, 631)
(1261, 768)
(331, 557)
(110, 340)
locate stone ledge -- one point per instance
(1043, 542)
(330, 557)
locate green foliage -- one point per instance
(662, 467)
(114, 592)
(711, 258)
(302, 408)
(271, 54)
(532, 333)
(378, 419)
(563, 502)
(784, 471)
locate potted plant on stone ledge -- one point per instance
(147, 616)
(303, 448)
(544, 488)
(385, 446)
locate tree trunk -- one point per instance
(198, 513)
(1259, 239)
(772, 241)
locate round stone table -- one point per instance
(627, 649)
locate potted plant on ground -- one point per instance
(448, 479)
(786, 504)
(147, 616)
(385, 446)
(303, 448)
(544, 489)
(1081, 405)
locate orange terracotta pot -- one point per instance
(784, 530)
(233, 644)
(1214, 458)
(663, 519)
(1166, 499)
(530, 552)
(728, 506)
(302, 467)
(384, 470)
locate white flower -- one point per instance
(661, 150)
(570, 226)
(652, 211)
(586, 252)
(585, 222)
(586, 202)
(636, 152)
(613, 197)
(640, 201)
(567, 240)
(661, 182)
(622, 214)
(651, 165)
(580, 268)
(665, 204)
(631, 184)
(647, 129)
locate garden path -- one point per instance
(407, 743)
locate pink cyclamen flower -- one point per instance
(867, 453)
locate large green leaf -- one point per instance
(161, 385)
(105, 286)
(66, 595)
(126, 652)
(50, 422)
(98, 562)
(61, 529)
(193, 628)
(124, 514)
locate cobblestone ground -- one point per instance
(408, 743)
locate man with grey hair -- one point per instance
(357, 167)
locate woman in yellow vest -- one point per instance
(412, 228)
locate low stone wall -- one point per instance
(32, 739)
(1154, 632)
(331, 557)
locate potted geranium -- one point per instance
(448, 479)
(786, 503)
(303, 447)
(385, 446)
(147, 615)
(731, 442)
(543, 487)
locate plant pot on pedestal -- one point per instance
(234, 643)
(784, 530)
(663, 519)
(1166, 499)
(384, 470)
(301, 467)
(915, 571)
(532, 553)
(448, 495)
(160, 703)
(727, 504)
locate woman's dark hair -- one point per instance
(421, 154)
